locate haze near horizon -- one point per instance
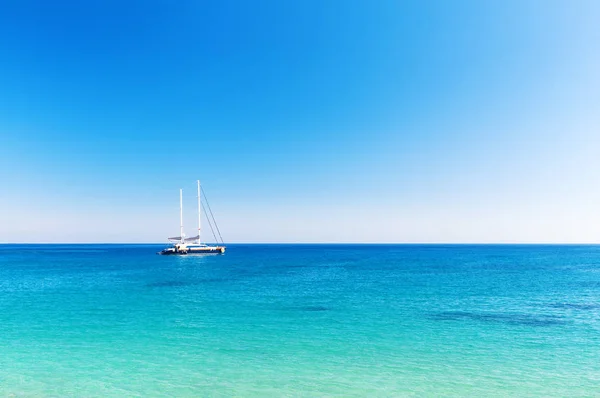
(338, 121)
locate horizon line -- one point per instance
(312, 243)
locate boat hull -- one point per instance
(193, 250)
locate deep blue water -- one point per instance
(300, 320)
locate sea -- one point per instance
(300, 321)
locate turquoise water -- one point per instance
(300, 320)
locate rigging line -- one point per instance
(211, 214)
(210, 225)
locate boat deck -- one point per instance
(182, 250)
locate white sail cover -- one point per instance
(178, 239)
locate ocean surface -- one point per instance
(300, 320)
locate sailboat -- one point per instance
(182, 245)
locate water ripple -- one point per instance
(575, 306)
(506, 318)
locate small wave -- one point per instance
(66, 251)
(575, 306)
(168, 284)
(184, 283)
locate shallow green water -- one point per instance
(300, 320)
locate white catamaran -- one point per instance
(193, 245)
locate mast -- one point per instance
(181, 215)
(199, 212)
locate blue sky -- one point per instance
(311, 121)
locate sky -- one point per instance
(309, 121)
